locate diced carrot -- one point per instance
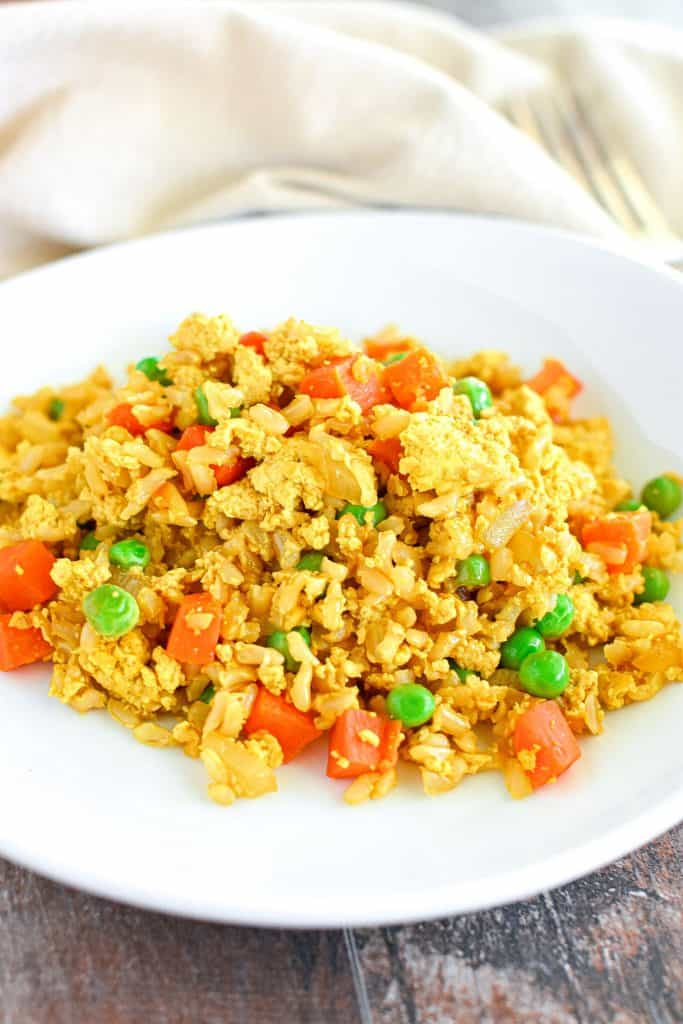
(323, 382)
(293, 729)
(352, 751)
(193, 437)
(233, 470)
(229, 472)
(255, 340)
(20, 646)
(557, 386)
(339, 378)
(389, 451)
(555, 374)
(195, 630)
(415, 380)
(370, 389)
(382, 348)
(391, 741)
(123, 416)
(25, 579)
(619, 538)
(544, 730)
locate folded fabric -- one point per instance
(120, 120)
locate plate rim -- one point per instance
(444, 901)
(626, 248)
(427, 903)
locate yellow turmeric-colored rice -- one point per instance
(383, 608)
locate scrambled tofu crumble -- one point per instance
(266, 540)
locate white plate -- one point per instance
(86, 804)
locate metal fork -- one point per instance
(561, 123)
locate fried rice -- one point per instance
(232, 511)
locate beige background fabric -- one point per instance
(117, 120)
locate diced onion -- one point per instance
(506, 524)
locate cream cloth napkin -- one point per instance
(119, 120)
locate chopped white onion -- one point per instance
(506, 524)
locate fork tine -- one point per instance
(549, 125)
(604, 186)
(561, 124)
(556, 144)
(630, 181)
(521, 113)
(530, 120)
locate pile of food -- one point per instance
(262, 541)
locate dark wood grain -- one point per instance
(67, 958)
(605, 949)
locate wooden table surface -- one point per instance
(604, 950)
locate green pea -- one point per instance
(478, 393)
(559, 619)
(278, 641)
(311, 561)
(361, 513)
(129, 554)
(462, 673)
(202, 403)
(89, 542)
(519, 646)
(396, 357)
(473, 572)
(55, 409)
(578, 578)
(235, 412)
(662, 495)
(544, 674)
(208, 694)
(111, 611)
(411, 703)
(151, 369)
(655, 585)
(628, 505)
